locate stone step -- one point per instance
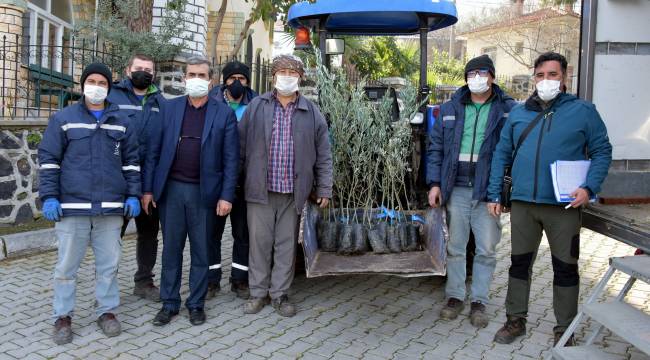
(590, 352)
(629, 323)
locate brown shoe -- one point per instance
(213, 290)
(62, 330)
(109, 325)
(241, 290)
(255, 305)
(284, 307)
(147, 291)
(511, 330)
(452, 309)
(477, 315)
(570, 342)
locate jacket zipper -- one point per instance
(539, 144)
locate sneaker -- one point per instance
(477, 315)
(213, 289)
(284, 307)
(452, 309)
(147, 291)
(255, 305)
(570, 342)
(62, 330)
(240, 288)
(109, 325)
(511, 330)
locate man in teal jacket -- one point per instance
(571, 129)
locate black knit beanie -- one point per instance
(97, 68)
(236, 67)
(480, 62)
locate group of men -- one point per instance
(184, 164)
(191, 161)
(478, 133)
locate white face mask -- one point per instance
(548, 89)
(196, 87)
(95, 94)
(286, 85)
(478, 84)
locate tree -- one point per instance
(263, 10)
(384, 56)
(125, 28)
(217, 29)
(142, 23)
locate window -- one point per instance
(490, 51)
(50, 21)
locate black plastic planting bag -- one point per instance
(392, 239)
(327, 235)
(359, 239)
(402, 234)
(412, 238)
(377, 239)
(345, 245)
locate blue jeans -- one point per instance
(74, 233)
(465, 214)
(182, 213)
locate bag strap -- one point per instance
(528, 129)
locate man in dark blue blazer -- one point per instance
(191, 173)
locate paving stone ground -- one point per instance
(344, 317)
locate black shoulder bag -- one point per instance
(506, 187)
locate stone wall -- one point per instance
(195, 23)
(231, 27)
(19, 174)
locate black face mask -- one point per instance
(236, 89)
(141, 80)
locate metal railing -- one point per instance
(38, 80)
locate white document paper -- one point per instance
(567, 177)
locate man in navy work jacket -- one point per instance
(139, 99)
(235, 93)
(460, 152)
(567, 128)
(89, 178)
(191, 173)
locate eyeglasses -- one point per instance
(480, 72)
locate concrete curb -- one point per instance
(33, 242)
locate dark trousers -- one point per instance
(182, 213)
(239, 227)
(562, 228)
(146, 250)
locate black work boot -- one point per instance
(477, 315)
(452, 309)
(558, 334)
(109, 324)
(147, 291)
(240, 288)
(511, 330)
(62, 333)
(213, 289)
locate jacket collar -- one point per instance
(126, 85)
(534, 103)
(301, 101)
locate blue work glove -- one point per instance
(52, 209)
(132, 207)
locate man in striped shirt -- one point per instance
(286, 157)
